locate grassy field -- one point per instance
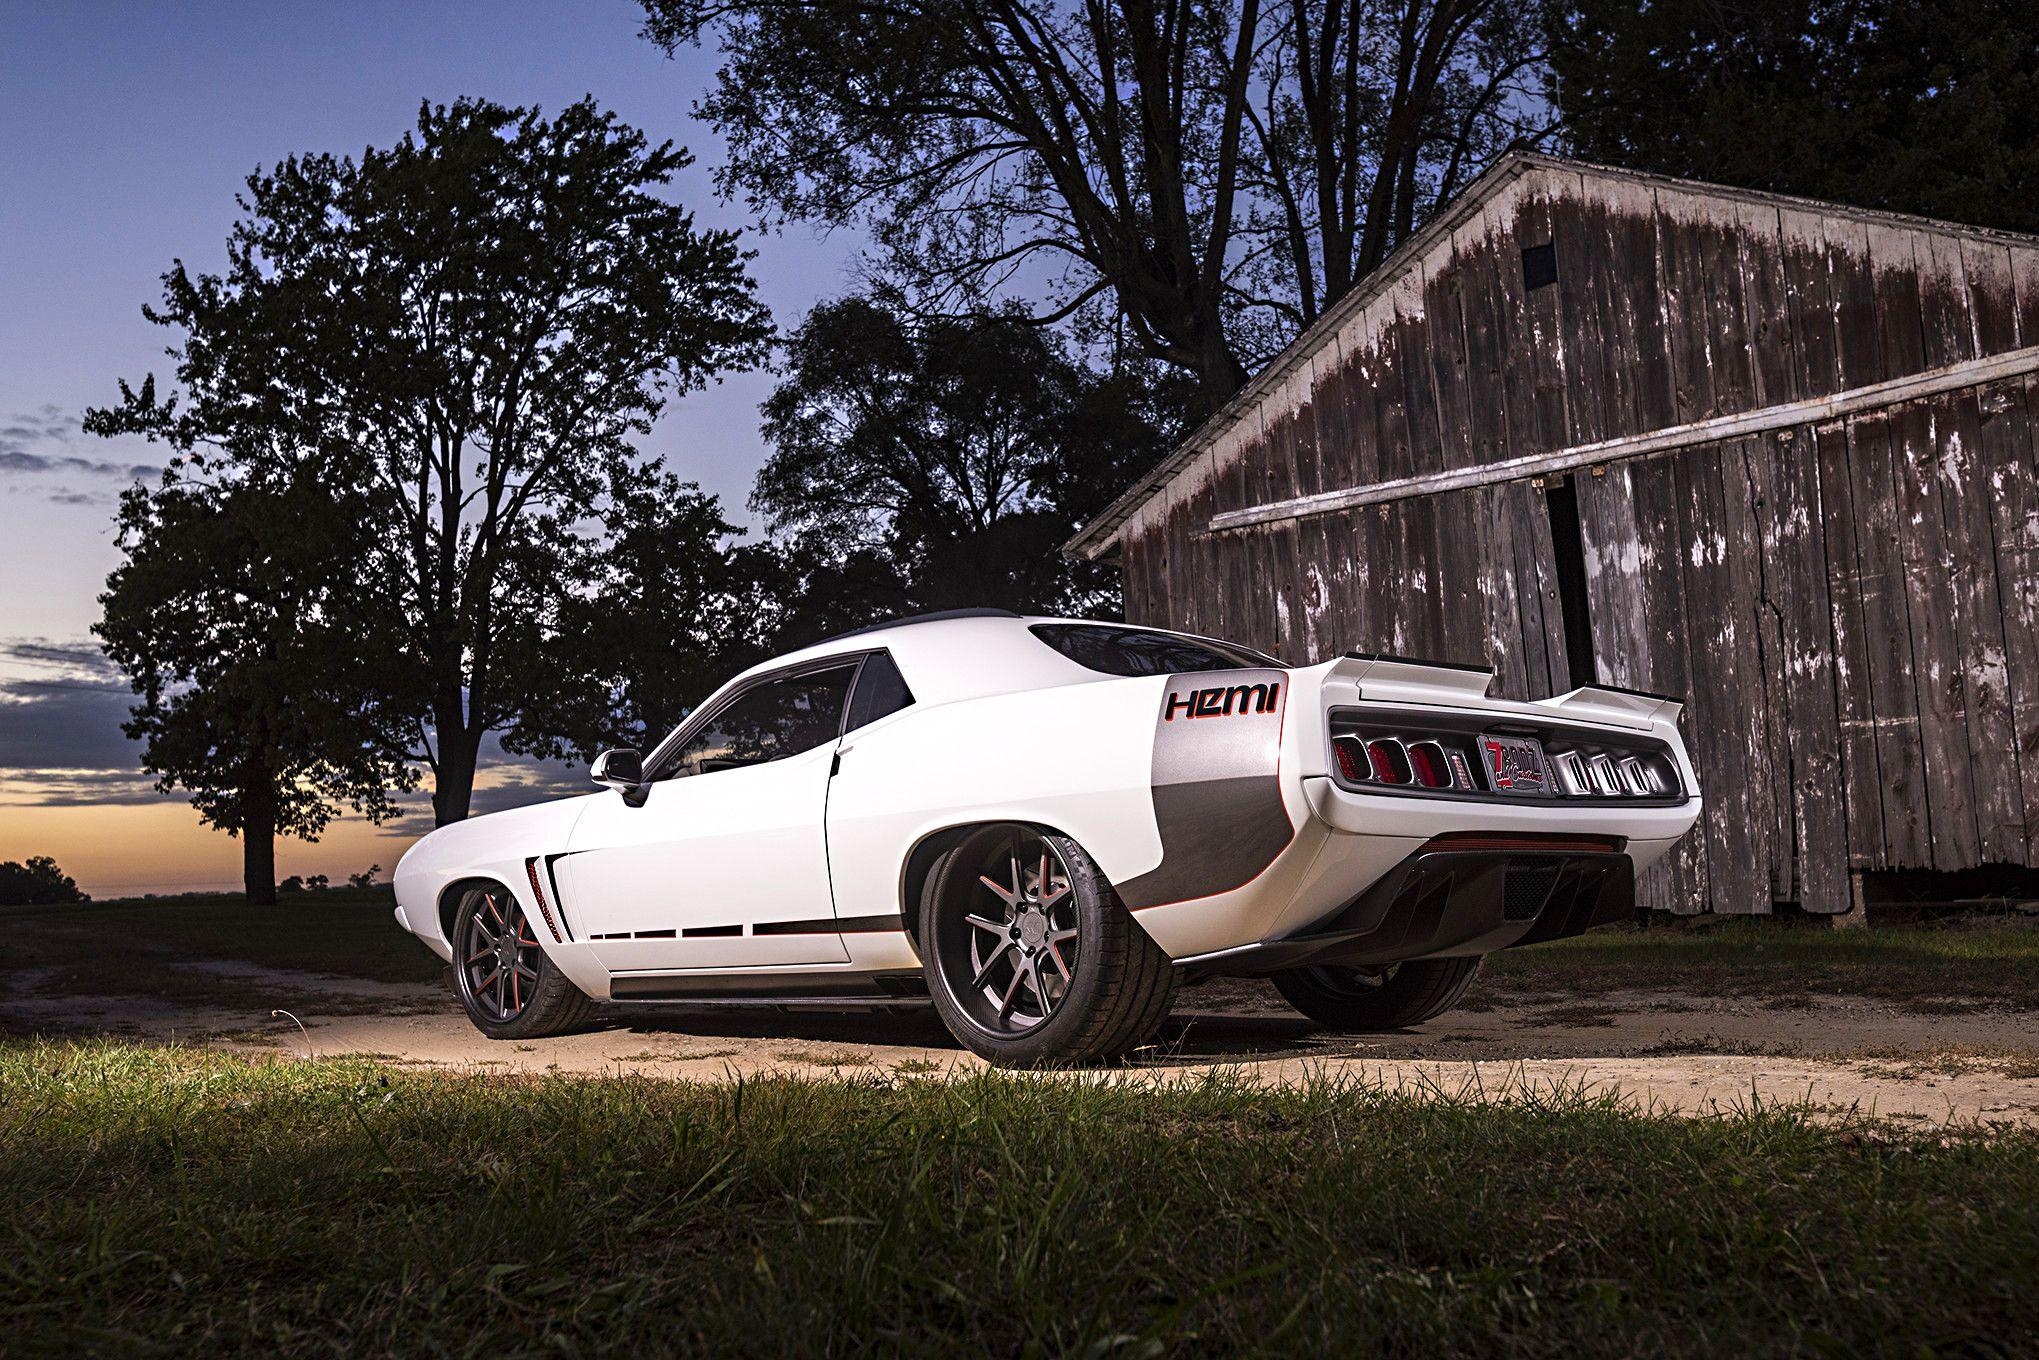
(1955, 966)
(165, 1200)
(133, 948)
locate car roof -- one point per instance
(960, 654)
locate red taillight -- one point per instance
(1426, 760)
(1390, 763)
(544, 908)
(1347, 751)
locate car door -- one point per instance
(721, 859)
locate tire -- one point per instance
(1012, 900)
(1393, 997)
(532, 1001)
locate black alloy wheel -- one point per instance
(508, 986)
(1031, 958)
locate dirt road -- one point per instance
(1688, 1053)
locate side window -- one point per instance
(881, 691)
(767, 722)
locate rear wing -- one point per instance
(1449, 682)
(1613, 702)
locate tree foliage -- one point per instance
(465, 332)
(1211, 173)
(960, 451)
(1926, 106)
(674, 604)
(37, 883)
(255, 651)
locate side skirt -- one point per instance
(766, 988)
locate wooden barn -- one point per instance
(1773, 455)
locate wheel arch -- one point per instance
(450, 895)
(927, 853)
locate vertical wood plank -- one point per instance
(2010, 443)
(1861, 774)
(1936, 646)
(1809, 718)
(1887, 620)
(1989, 725)
(1732, 767)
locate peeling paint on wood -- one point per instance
(1848, 599)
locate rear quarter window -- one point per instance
(1112, 650)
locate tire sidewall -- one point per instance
(530, 1022)
(1050, 1040)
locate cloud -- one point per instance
(61, 706)
(39, 444)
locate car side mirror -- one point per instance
(621, 768)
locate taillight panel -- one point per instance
(1448, 756)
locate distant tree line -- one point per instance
(38, 883)
(408, 507)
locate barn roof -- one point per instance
(1100, 535)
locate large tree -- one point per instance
(1212, 173)
(468, 330)
(1926, 106)
(961, 450)
(252, 646)
(675, 603)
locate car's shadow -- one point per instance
(1187, 1038)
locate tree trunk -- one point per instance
(453, 783)
(258, 834)
(1219, 371)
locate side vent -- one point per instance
(544, 906)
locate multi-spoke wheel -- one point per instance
(1392, 996)
(508, 986)
(1030, 956)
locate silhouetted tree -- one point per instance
(1213, 172)
(962, 452)
(38, 883)
(253, 644)
(1925, 106)
(465, 332)
(672, 605)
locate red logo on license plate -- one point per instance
(1515, 765)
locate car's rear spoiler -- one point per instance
(1612, 701)
(1449, 681)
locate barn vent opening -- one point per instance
(1568, 548)
(1539, 266)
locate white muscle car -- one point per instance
(1042, 825)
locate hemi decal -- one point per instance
(1216, 786)
(1222, 701)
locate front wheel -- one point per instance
(1391, 997)
(1031, 958)
(507, 985)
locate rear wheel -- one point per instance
(1393, 996)
(1030, 956)
(507, 985)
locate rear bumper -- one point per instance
(1444, 900)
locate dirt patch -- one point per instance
(1686, 1052)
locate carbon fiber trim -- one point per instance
(1217, 785)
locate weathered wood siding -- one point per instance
(1852, 608)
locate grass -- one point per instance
(1936, 969)
(176, 1201)
(135, 948)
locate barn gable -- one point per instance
(1773, 454)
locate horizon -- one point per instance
(127, 134)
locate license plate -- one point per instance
(1515, 765)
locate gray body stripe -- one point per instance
(1216, 785)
